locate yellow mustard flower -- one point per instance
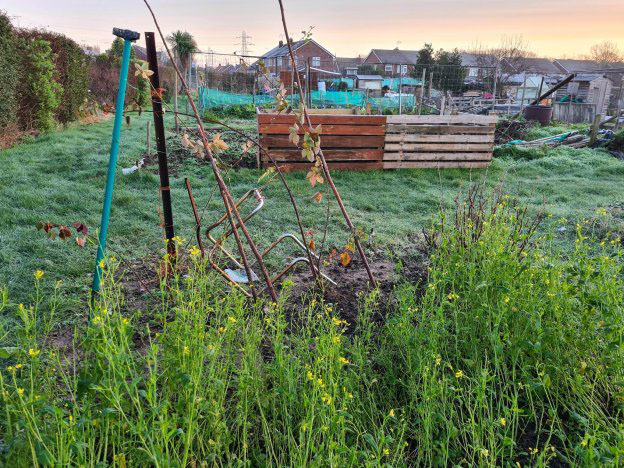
(459, 374)
(391, 414)
(386, 452)
(186, 351)
(343, 360)
(33, 352)
(195, 252)
(38, 274)
(503, 422)
(326, 398)
(20, 391)
(232, 319)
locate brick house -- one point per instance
(392, 62)
(277, 60)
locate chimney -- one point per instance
(281, 43)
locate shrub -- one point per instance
(39, 93)
(9, 60)
(70, 65)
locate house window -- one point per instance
(279, 61)
(389, 68)
(404, 69)
(473, 71)
(316, 61)
(351, 71)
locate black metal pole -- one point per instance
(159, 131)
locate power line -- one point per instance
(244, 44)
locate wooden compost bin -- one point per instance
(364, 142)
(438, 141)
(349, 141)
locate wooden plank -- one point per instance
(336, 166)
(431, 147)
(283, 129)
(330, 155)
(443, 119)
(338, 119)
(437, 156)
(402, 137)
(435, 164)
(440, 129)
(328, 141)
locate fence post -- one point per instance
(594, 131)
(430, 85)
(422, 90)
(148, 144)
(400, 89)
(523, 91)
(494, 88)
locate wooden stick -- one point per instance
(230, 205)
(328, 176)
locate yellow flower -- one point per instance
(336, 339)
(386, 452)
(210, 347)
(20, 391)
(320, 383)
(326, 398)
(506, 300)
(221, 330)
(350, 396)
(431, 286)
(231, 319)
(32, 352)
(38, 275)
(391, 414)
(97, 320)
(310, 375)
(101, 264)
(186, 351)
(485, 452)
(438, 360)
(503, 422)
(195, 252)
(19, 366)
(459, 374)
(452, 296)
(343, 360)
(11, 369)
(125, 321)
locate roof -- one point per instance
(370, 77)
(396, 56)
(588, 76)
(571, 65)
(140, 52)
(538, 65)
(281, 51)
(471, 60)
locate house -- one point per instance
(348, 66)
(392, 62)
(473, 62)
(568, 66)
(277, 60)
(372, 82)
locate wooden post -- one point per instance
(422, 90)
(400, 89)
(430, 85)
(148, 150)
(540, 89)
(523, 92)
(175, 104)
(494, 87)
(159, 131)
(442, 105)
(594, 131)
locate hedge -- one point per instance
(9, 59)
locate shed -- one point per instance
(588, 88)
(369, 81)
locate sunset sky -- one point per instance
(555, 28)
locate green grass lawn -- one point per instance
(60, 178)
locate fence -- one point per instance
(340, 83)
(574, 112)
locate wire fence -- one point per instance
(224, 81)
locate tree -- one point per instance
(425, 57)
(450, 73)
(606, 54)
(184, 46)
(116, 51)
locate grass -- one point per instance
(470, 370)
(60, 178)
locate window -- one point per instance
(279, 61)
(404, 69)
(472, 71)
(389, 68)
(316, 61)
(351, 71)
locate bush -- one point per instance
(243, 111)
(9, 60)
(70, 65)
(39, 93)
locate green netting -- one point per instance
(213, 98)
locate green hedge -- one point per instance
(71, 65)
(9, 59)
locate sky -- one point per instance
(347, 28)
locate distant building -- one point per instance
(277, 60)
(373, 82)
(348, 66)
(391, 62)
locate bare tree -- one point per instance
(509, 57)
(606, 54)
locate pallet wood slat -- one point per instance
(336, 119)
(337, 166)
(327, 141)
(435, 164)
(471, 156)
(442, 147)
(330, 155)
(348, 129)
(440, 129)
(443, 119)
(410, 138)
